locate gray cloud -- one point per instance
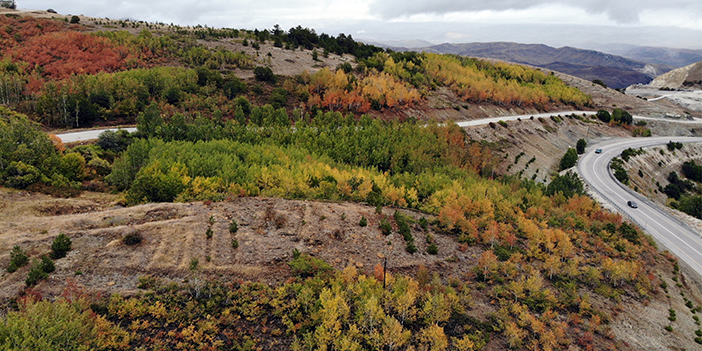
(620, 11)
(329, 17)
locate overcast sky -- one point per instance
(672, 23)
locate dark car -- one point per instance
(598, 151)
(632, 204)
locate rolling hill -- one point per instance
(673, 57)
(615, 71)
(689, 76)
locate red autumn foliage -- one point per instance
(16, 30)
(61, 54)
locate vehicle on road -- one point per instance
(632, 204)
(598, 151)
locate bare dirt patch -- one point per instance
(173, 234)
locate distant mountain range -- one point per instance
(614, 70)
(666, 56)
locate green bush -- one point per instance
(432, 249)
(622, 116)
(235, 244)
(233, 227)
(110, 140)
(265, 74)
(18, 258)
(20, 175)
(568, 184)
(155, 183)
(604, 116)
(60, 246)
(36, 273)
(75, 19)
(385, 226)
(57, 326)
(569, 159)
(47, 265)
(580, 146)
(424, 224)
(73, 166)
(363, 222)
(304, 265)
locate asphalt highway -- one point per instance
(678, 238)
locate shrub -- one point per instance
(363, 222)
(385, 226)
(59, 325)
(209, 233)
(424, 224)
(304, 265)
(235, 244)
(233, 227)
(569, 159)
(132, 238)
(673, 145)
(502, 123)
(265, 74)
(569, 184)
(346, 67)
(60, 246)
(620, 173)
(47, 265)
(432, 249)
(622, 116)
(114, 141)
(600, 82)
(604, 116)
(581, 146)
(18, 258)
(75, 19)
(36, 273)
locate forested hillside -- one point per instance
(549, 268)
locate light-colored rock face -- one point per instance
(675, 78)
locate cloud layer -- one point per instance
(619, 11)
(622, 21)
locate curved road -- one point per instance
(681, 240)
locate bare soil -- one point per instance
(269, 230)
(173, 234)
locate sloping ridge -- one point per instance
(688, 76)
(620, 72)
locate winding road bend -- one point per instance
(678, 238)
